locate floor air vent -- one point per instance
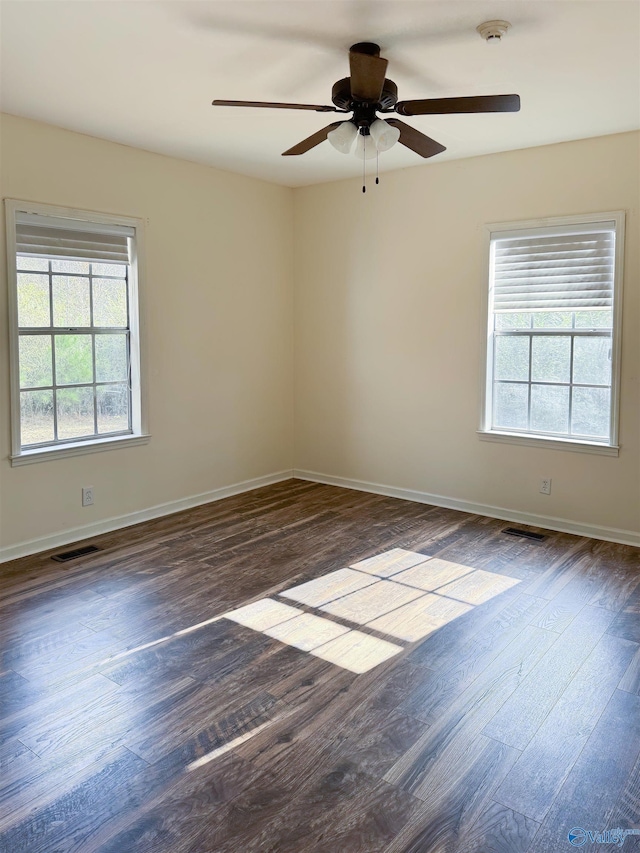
(77, 552)
(526, 534)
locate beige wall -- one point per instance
(388, 324)
(219, 329)
(387, 318)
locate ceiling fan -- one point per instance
(368, 92)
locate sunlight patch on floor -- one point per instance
(321, 637)
(432, 574)
(400, 593)
(357, 652)
(262, 614)
(325, 589)
(418, 619)
(306, 632)
(372, 601)
(160, 641)
(390, 562)
(478, 586)
(227, 747)
(232, 744)
(424, 594)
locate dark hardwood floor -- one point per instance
(133, 718)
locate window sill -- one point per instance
(28, 457)
(551, 443)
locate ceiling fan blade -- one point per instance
(276, 106)
(475, 104)
(415, 140)
(313, 140)
(367, 76)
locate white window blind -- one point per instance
(55, 237)
(540, 271)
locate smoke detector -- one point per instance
(493, 31)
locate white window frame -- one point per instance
(485, 431)
(139, 433)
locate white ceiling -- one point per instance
(144, 73)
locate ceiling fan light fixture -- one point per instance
(343, 137)
(365, 147)
(384, 135)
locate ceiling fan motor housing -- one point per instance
(341, 95)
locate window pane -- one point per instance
(512, 358)
(549, 408)
(74, 360)
(590, 412)
(33, 300)
(111, 358)
(71, 301)
(75, 412)
(81, 267)
(592, 360)
(552, 320)
(594, 319)
(113, 408)
(510, 405)
(551, 359)
(36, 417)
(518, 320)
(35, 361)
(118, 270)
(34, 264)
(109, 302)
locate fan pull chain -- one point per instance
(377, 170)
(364, 160)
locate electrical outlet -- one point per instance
(545, 486)
(87, 496)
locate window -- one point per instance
(553, 332)
(74, 284)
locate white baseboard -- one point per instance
(76, 534)
(564, 525)
(86, 531)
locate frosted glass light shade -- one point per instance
(365, 148)
(384, 135)
(343, 137)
